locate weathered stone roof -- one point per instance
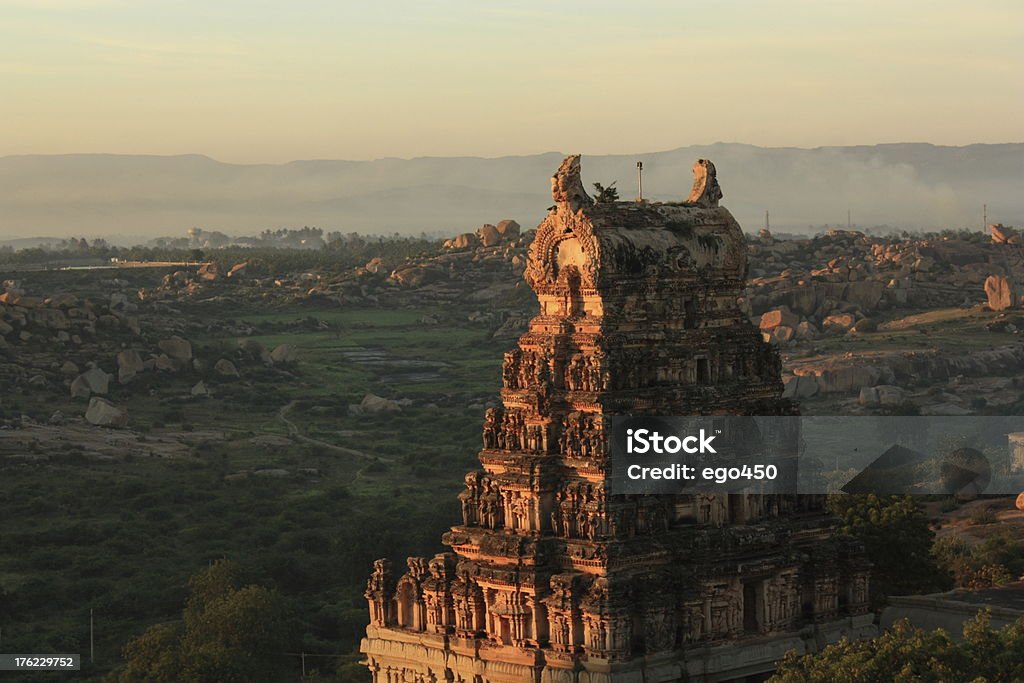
(635, 239)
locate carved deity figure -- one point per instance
(492, 425)
(510, 369)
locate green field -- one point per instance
(121, 537)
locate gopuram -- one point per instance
(549, 578)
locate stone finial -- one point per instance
(706, 191)
(567, 186)
(381, 579)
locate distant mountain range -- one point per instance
(913, 186)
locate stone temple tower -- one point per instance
(549, 578)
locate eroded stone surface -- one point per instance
(705, 190)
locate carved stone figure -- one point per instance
(492, 424)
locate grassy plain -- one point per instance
(277, 474)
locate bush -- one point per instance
(606, 194)
(993, 562)
(983, 515)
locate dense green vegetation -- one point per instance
(272, 252)
(122, 537)
(230, 632)
(994, 561)
(898, 540)
(902, 653)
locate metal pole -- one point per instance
(640, 179)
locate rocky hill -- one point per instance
(922, 324)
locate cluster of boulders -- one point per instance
(882, 380)
(837, 282)
(187, 283)
(62, 319)
(373, 404)
(781, 325)
(173, 354)
(98, 352)
(1004, 234)
(484, 266)
(495, 253)
(486, 236)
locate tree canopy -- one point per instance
(229, 632)
(898, 542)
(905, 654)
(606, 194)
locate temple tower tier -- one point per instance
(551, 579)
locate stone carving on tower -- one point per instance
(705, 190)
(549, 578)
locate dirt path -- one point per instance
(295, 433)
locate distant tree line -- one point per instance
(305, 248)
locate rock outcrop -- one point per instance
(508, 229)
(1000, 293)
(92, 381)
(129, 364)
(225, 368)
(1002, 234)
(176, 348)
(372, 403)
(103, 413)
(284, 354)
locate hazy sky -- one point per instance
(272, 81)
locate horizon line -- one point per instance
(201, 155)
